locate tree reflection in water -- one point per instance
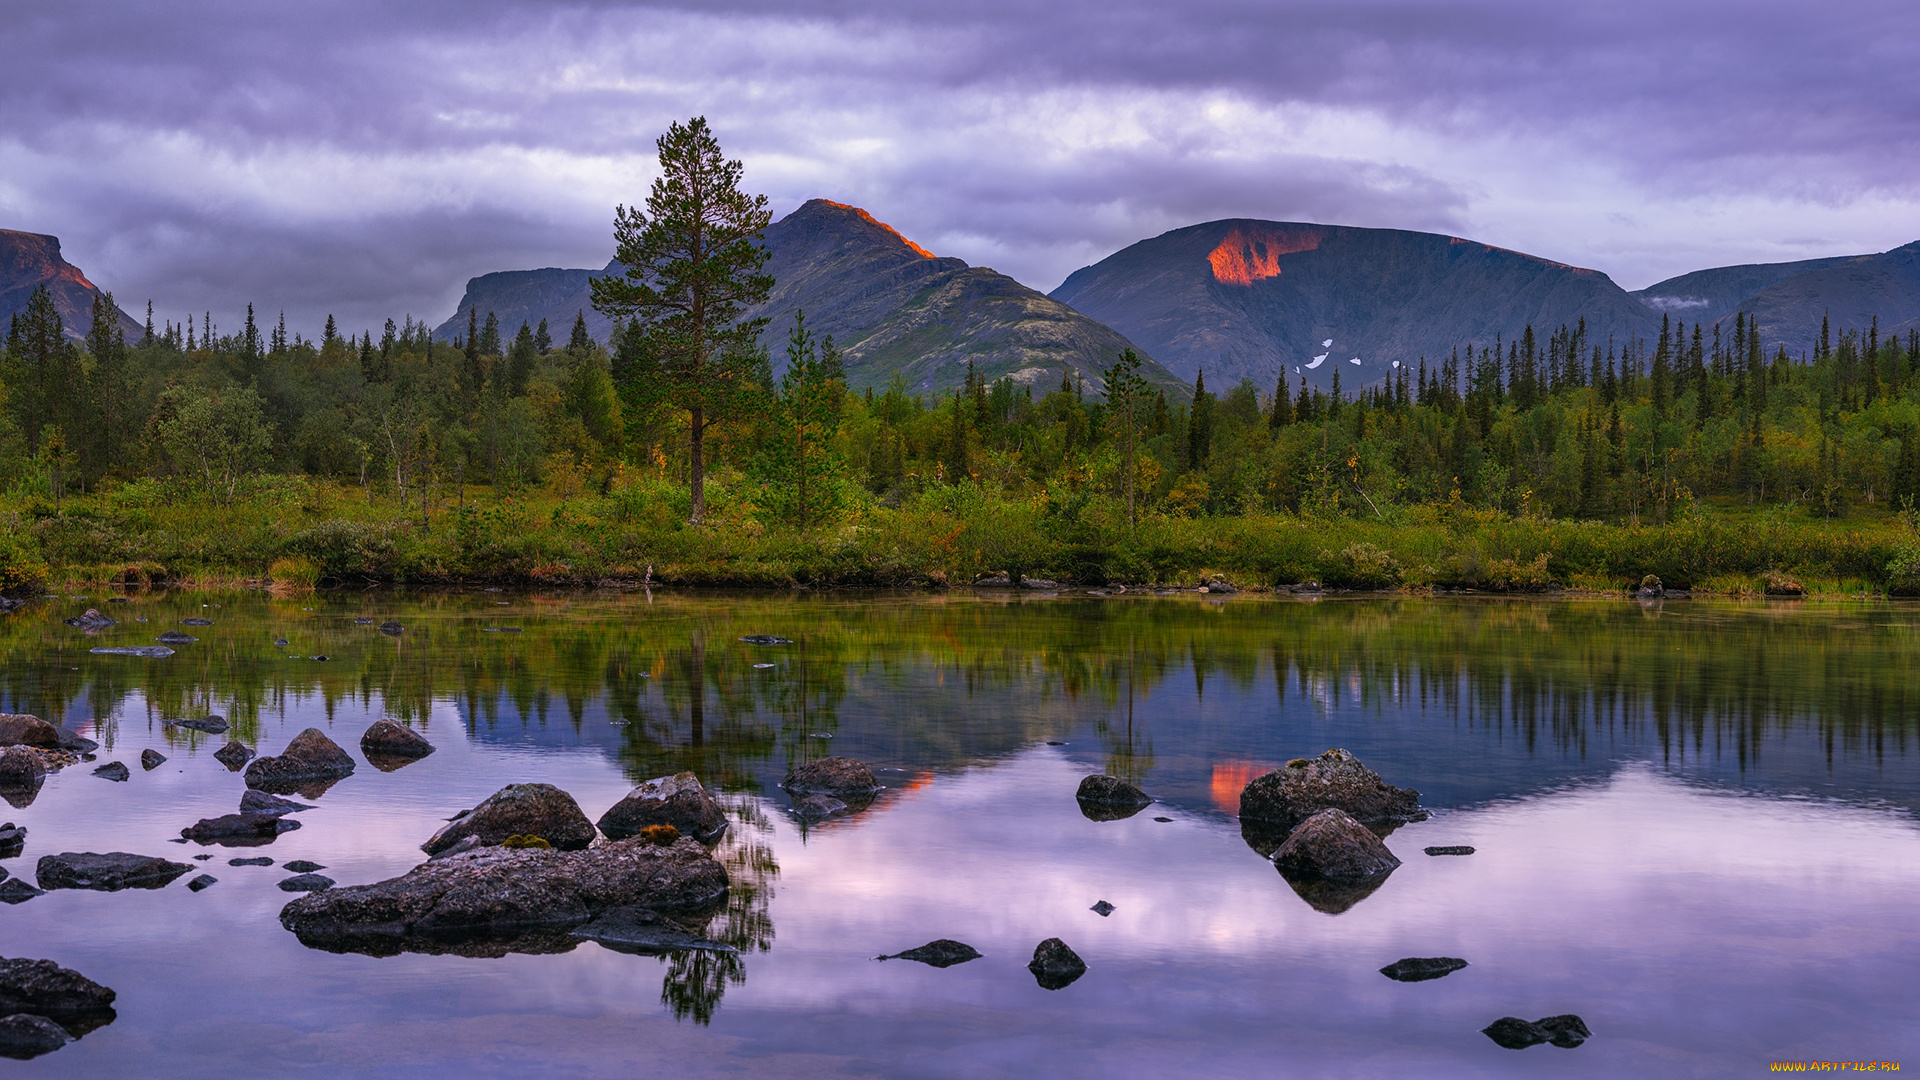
(696, 979)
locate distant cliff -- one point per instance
(31, 260)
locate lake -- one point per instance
(1694, 822)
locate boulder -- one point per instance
(940, 953)
(310, 757)
(645, 932)
(1109, 798)
(75, 743)
(766, 639)
(1055, 966)
(1221, 588)
(678, 800)
(44, 988)
(20, 729)
(175, 637)
(196, 622)
(1333, 846)
(91, 620)
(305, 883)
(499, 893)
(840, 777)
(151, 652)
(259, 802)
(389, 739)
(1565, 1031)
(13, 839)
(239, 830)
(305, 866)
(21, 774)
(233, 755)
(111, 872)
(519, 810)
(1450, 849)
(204, 881)
(115, 771)
(1103, 909)
(258, 860)
(1422, 968)
(818, 807)
(15, 891)
(151, 759)
(24, 1035)
(1285, 797)
(391, 628)
(212, 725)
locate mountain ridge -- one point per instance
(31, 260)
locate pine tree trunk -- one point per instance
(697, 467)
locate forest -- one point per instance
(512, 456)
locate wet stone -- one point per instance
(115, 771)
(391, 628)
(305, 883)
(233, 755)
(261, 860)
(15, 891)
(1457, 849)
(1565, 1031)
(1422, 968)
(196, 622)
(304, 866)
(151, 652)
(766, 639)
(151, 759)
(110, 872)
(239, 830)
(202, 882)
(1102, 909)
(519, 810)
(1055, 966)
(175, 637)
(939, 953)
(212, 725)
(309, 756)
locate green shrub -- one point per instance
(1360, 566)
(21, 567)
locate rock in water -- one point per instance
(1103, 909)
(519, 810)
(1285, 797)
(151, 652)
(91, 619)
(44, 988)
(305, 866)
(233, 755)
(204, 881)
(1565, 1031)
(1109, 798)
(111, 872)
(646, 932)
(391, 739)
(175, 637)
(766, 639)
(21, 774)
(259, 802)
(1055, 966)
(1422, 968)
(115, 771)
(506, 893)
(1455, 849)
(15, 891)
(196, 622)
(1333, 862)
(842, 778)
(258, 860)
(391, 628)
(310, 757)
(678, 800)
(23, 1036)
(212, 725)
(13, 840)
(239, 830)
(151, 759)
(305, 883)
(20, 729)
(944, 953)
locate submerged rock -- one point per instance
(110, 872)
(212, 725)
(13, 839)
(540, 810)
(151, 759)
(640, 930)
(1422, 968)
(115, 771)
(15, 891)
(840, 777)
(495, 893)
(204, 881)
(1333, 862)
(1055, 966)
(1285, 797)
(258, 860)
(196, 622)
(91, 620)
(259, 802)
(940, 953)
(818, 807)
(24, 1036)
(1456, 849)
(175, 637)
(390, 739)
(151, 652)
(239, 830)
(391, 628)
(1565, 1031)
(305, 866)
(766, 639)
(1109, 798)
(311, 757)
(233, 755)
(305, 883)
(678, 800)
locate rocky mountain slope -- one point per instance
(1848, 292)
(30, 260)
(1242, 298)
(893, 307)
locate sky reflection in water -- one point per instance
(1695, 828)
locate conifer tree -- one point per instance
(694, 265)
(1281, 413)
(1126, 404)
(542, 340)
(1200, 423)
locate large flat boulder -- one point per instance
(540, 810)
(310, 758)
(21, 729)
(239, 830)
(110, 872)
(679, 800)
(44, 988)
(840, 777)
(503, 892)
(1287, 796)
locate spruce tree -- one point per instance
(1126, 407)
(542, 340)
(1200, 423)
(694, 266)
(1281, 413)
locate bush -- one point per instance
(294, 572)
(1361, 566)
(21, 567)
(1903, 570)
(345, 549)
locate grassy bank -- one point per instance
(301, 532)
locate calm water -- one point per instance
(1696, 828)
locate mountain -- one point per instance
(30, 260)
(1715, 294)
(1242, 298)
(893, 308)
(1849, 293)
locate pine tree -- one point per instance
(108, 344)
(1281, 414)
(331, 333)
(1126, 403)
(694, 265)
(956, 459)
(1200, 423)
(521, 359)
(542, 340)
(490, 336)
(580, 343)
(146, 338)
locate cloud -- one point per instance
(365, 159)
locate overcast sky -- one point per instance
(367, 158)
